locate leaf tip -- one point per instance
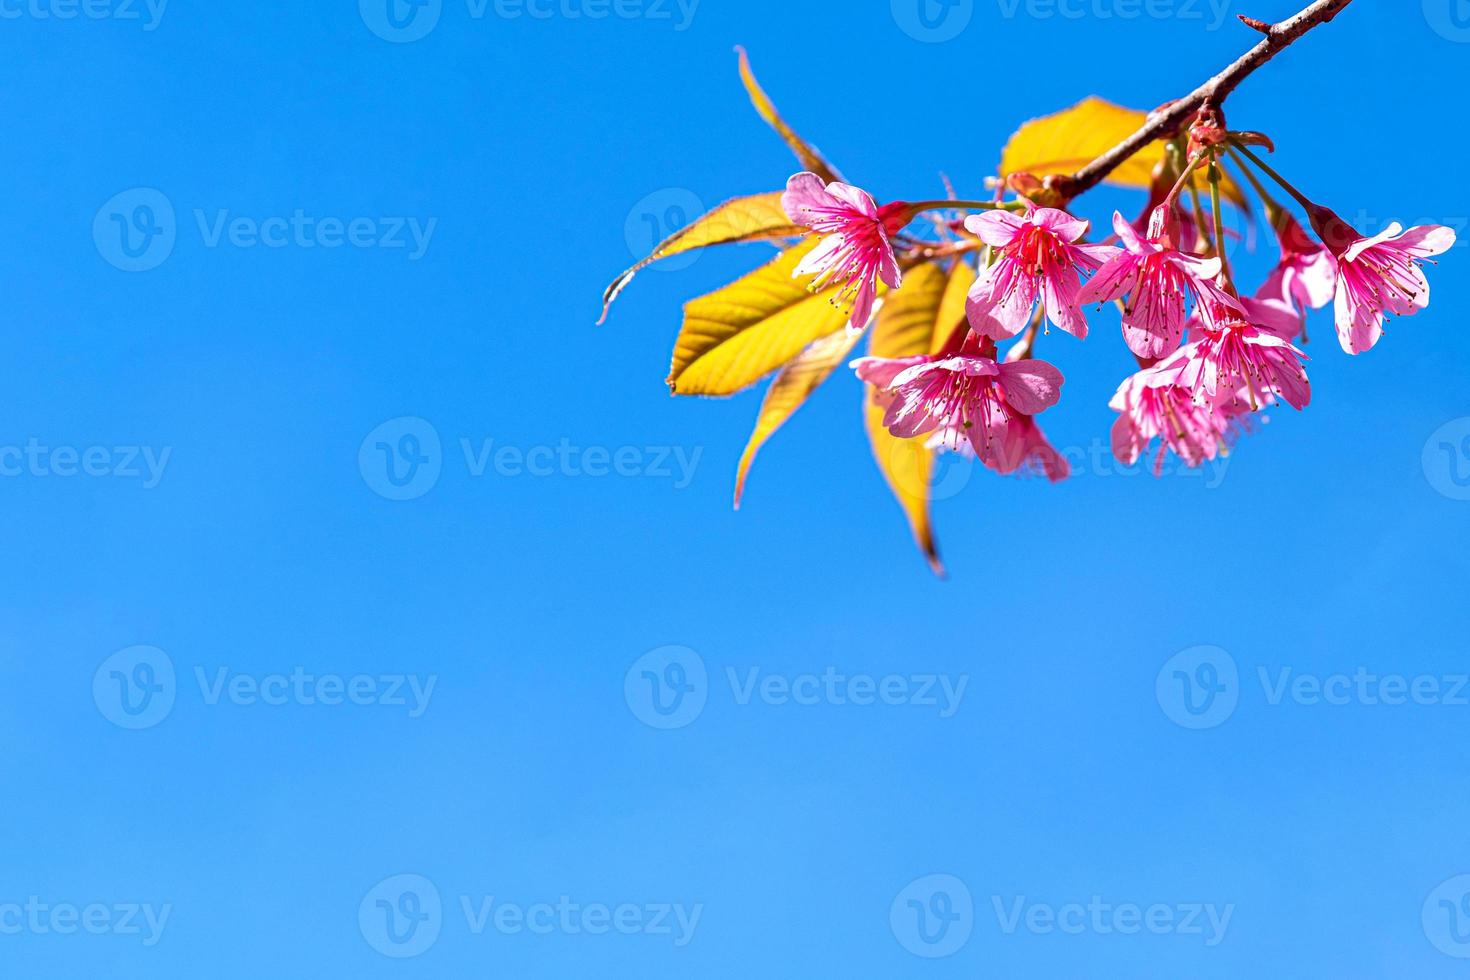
(745, 460)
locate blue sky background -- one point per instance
(266, 542)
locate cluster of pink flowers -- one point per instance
(967, 401)
(1209, 357)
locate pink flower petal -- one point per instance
(1031, 386)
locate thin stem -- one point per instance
(933, 250)
(1172, 117)
(1200, 221)
(1188, 175)
(1219, 210)
(1272, 207)
(922, 206)
(1269, 171)
(1026, 346)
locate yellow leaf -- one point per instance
(914, 320)
(790, 389)
(1067, 141)
(951, 315)
(908, 467)
(809, 157)
(743, 219)
(737, 335)
(906, 324)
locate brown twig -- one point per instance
(1169, 119)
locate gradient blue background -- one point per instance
(533, 143)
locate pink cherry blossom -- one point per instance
(1306, 275)
(1026, 449)
(1378, 275)
(1153, 405)
(1038, 258)
(967, 397)
(1243, 366)
(1272, 314)
(855, 250)
(1159, 281)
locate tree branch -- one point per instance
(1169, 119)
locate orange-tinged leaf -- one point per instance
(737, 335)
(907, 325)
(805, 152)
(790, 389)
(743, 219)
(1067, 141)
